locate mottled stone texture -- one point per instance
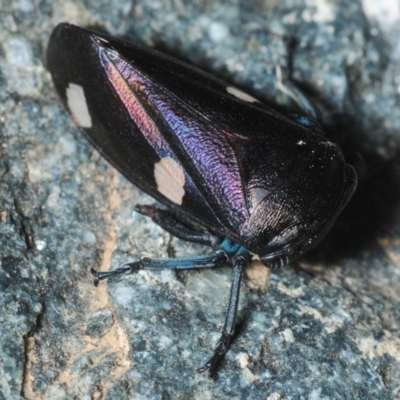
(327, 327)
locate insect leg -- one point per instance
(166, 220)
(218, 259)
(241, 261)
(313, 118)
(227, 249)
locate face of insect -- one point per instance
(302, 209)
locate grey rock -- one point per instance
(327, 327)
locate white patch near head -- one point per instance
(101, 39)
(77, 104)
(240, 95)
(170, 179)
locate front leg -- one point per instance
(312, 118)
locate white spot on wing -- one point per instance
(78, 106)
(170, 179)
(240, 95)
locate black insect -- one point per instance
(262, 185)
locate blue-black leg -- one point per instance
(226, 250)
(216, 260)
(166, 220)
(240, 262)
(312, 118)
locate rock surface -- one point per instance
(327, 327)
